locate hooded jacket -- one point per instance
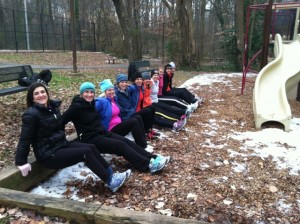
(124, 103)
(167, 83)
(134, 94)
(104, 109)
(42, 129)
(85, 119)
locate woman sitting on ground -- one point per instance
(130, 104)
(168, 116)
(109, 111)
(182, 93)
(42, 129)
(83, 114)
(172, 100)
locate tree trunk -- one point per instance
(202, 29)
(239, 24)
(130, 26)
(185, 38)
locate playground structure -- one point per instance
(277, 80)
(276, 83)
(284, 20)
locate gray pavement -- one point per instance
(68, 67)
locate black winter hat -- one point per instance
(136, 75)
(168, 66)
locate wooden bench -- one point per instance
(111, 60)
(12, 73)
(138, 66)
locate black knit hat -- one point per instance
(168, 66)
(136, 75)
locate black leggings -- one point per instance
(135, 126)
(182, 93)
(173, 101)
(169, 109)
(147, 115)
(121, 146)
(76, 152)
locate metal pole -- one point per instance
(94, 34)
(73, 38)
(26, 25)
(296, 23)
(266, 35)
(15, 31)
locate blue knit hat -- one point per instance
(86, 86)
(105, 85)
(146, 75)
(121, 77)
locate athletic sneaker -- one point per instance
(150, 137)
(128, 173)
(200, 100)
(161, 157)
(154, 133)
(188, 113)
(194, 105)
(178, 125)
(156, 165)
(117, 181)
(149, 148)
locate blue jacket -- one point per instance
(125, 105)
(104, 109)
(134, 94)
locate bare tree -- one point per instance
(129, 18)
(239, 24)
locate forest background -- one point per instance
(194, 33)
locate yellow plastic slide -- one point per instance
(277, 82)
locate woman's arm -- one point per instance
(27, 137)
(68, 115)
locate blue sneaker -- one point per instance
(161, 157)
(117, 181)
(156, 165)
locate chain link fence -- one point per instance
(21, 30)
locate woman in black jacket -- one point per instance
(42, 129)
(86, 120)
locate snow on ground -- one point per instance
(283, 147)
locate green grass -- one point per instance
(11, 57)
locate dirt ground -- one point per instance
(185, 188)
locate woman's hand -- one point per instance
(25, 169)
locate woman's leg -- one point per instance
(76, 152)
(163, 122)
(183, 94)
(172, 109)
(131, 125)
(121, 146)
(147, 115)
(174, 101)
(167, 114)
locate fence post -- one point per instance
(5, 39)
(15, 31)
(79, 31)
(47, 37)
(41, 21)
(94, 35)
(63, 35)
